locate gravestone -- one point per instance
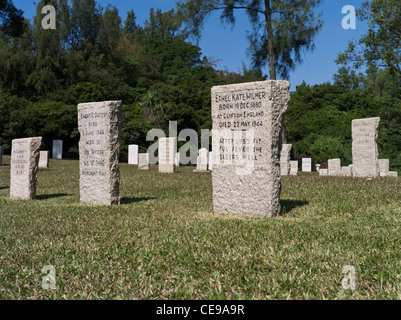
(57, 149)
(1, 154)
(167, 152)
(334, 167)
(44, 159)
(99, 124)
(201, 162)
(143, 161)
(133, 154)
(285, 157)
(294, 168)
(346, 171)
(177, 159)
(306, 165)
(317, 167)
(350, 169)
(24, 167)
(210, 164)
(364, 147)
(384, 167)
(323, 172)
(247, 121)
(392, 174)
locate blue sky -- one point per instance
(229, 45)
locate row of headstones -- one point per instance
(168, 158)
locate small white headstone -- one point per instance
(44, 159)
(57, 149)
(334, 167)
(210, 165)
(177, 159)
(201, 163)
(143, 161)
(384, 167)
(317, 167)
(392, 174)
(323, 172)
(167, 152)
(294, 168)
(133, 154)
(306, 165)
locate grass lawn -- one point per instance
(164, 242)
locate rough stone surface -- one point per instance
(384, 167)
(177, 159)
(364, 147)
(44, 159)
(392, 174)
(167, 152)
(323, 172)
(99, 124)
(57, 149)
(201, 162)
(285, 157)
(143, 161)
(334, 167)
(350, 169)
(24, 167)
(294, 168)
(247, 121)
(133, 154)
(306, 165)
(346, 171)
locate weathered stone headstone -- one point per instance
(392, 174)
(210, 164)
(317, 167)
(202, 161)
(306, 165)
(99, 124)
(246, 142)
(285, 157)
(133, 154)
(384, 167)
(57, 149)
(143, 161)
(294, 168)
(346, 171)
(350, 169)
(334, 167)
(167, 152)
(44, 159)
(177, 159)
(364, 147)
(1, 154)
(323, 172)
(24, 167)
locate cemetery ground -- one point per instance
(164, 242)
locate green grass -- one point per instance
(164, 242)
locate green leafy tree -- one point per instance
(281, 30)
(11, 19)
(381, 45)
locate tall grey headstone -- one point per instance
(133, 154)
(201, 162)
(384, 167)
(247, 120)
(285, 157)
(294, 168)
(44, 159)
(167, 152)
(364, 147)
(24, 167)
(143, 161)
(57, 149)
(306, 165)
(334, 167)
(99, 124)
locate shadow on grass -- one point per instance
(50, 196)
(288, 205)
(127, 200)
(1, 188)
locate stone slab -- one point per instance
(285, 157)
(306, 164)
(44, 159)
(294, 168)
(143, 161)
(133, 154)
(167, 152)
(334, 167)
(57, 149)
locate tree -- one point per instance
(381, 45)
(11, 19)
(281, 29)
